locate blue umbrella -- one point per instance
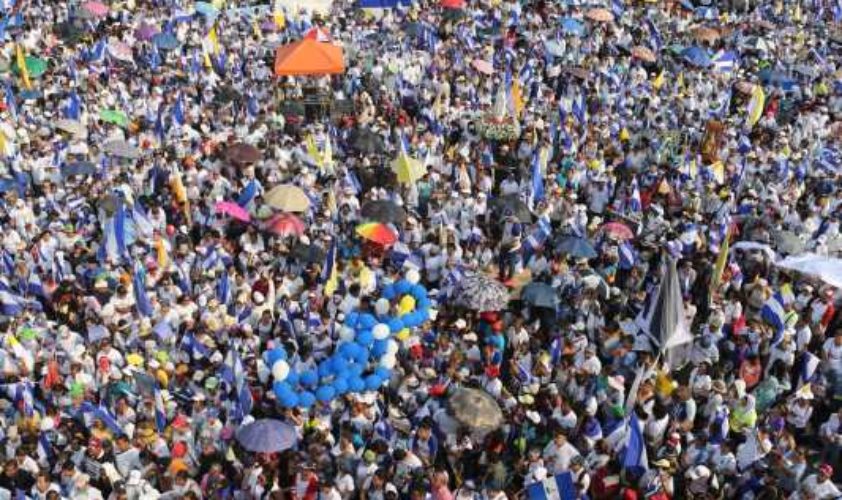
(696, 56)
(777, 78)
(539, 294)
(571, 26)
(206, 9)
(165, 41)
(267, 436)
(576, 247)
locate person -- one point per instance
(14, 479)
(820, 485)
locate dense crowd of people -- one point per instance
(618, 223)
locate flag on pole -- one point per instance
(144, 306)
(160, 410)
(330, 278)
(24, 72)
(721, 262)
(662, 319)
(755, 105)
(634, 458)
(537, 193)
(313, 150)
(558, 487)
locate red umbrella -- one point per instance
(377, 233)
(284, 225)
(453, 4)
(233, 210)
(617, 230)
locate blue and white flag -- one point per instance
(178, 110)
(635, 202)
(144, 306)
(247, 194)
(773, 313)
(634, 457)
(160, 410)
(223, 288)
(537, 192)
(558, 487)
(725, 62)
(628, 256)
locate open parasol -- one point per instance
(233, 210)
(479, 292)
(475, 409)
(383, 211)
(287, 198)
(284, 225)
(600, 15)
(377, 232)
(645, 54)
(267, 436)
(243, 154)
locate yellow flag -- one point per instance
(755, 105)
(256, 28)
(213, 38)
(179, 192)
(24, 72)
(680, 81)
(718, 171)
(721, 261)
(313, 150)
(659, 81)
(2, 143)
(161, 253)
(280, 20)
(517, 97)
(327, 154)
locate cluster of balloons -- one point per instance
(366, 354)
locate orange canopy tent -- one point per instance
(309, 57)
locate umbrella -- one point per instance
(600, 15)
(121, 51)
(35, 66)
(539, 294)
(789, 243)
(284, 225)
(367, 142)
(97, 9)
(377, 232)
(121, 149)
(383, 211)
(206, 9)
(617, 230)
(165, 41)
(571, 26)
(243, 154)
(309, 57)
(310, 254)
(580, 73)
(705, 34)
(576, 247)
(78, 168)
(479, 292)
(696, 56)
(146, 32)
(71, 126)
(777, 78)
(233, 210)
(267, 436)
(483, 66)
(408, 169)
(114, 116)
(554, 48)
(69, 32)
(475, 409)
(453, 4)
(511, 204)
(645, 54)
(287, 198)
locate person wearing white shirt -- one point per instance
(559, 452)
(819, 486)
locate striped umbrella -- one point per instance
(377, 233)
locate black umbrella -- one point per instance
(539, 294)
(367, 142)
(243, 154)
(384, 211)
(226, 95)
(311, 254)
(69, 32)
(576, 247)
(78, 168)
(511, 204)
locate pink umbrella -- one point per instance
(233, 210)
(121, 51)
(483, 67)
(98, 9)
(617, 230)
(284, 225)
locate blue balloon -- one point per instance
(292, 378)
(402, 287)
(418, 292)
(341, 385)
(352, 318)
(373, 382)
(388, 292)
(365, 338)
(339, 364)
(308, 378)
(275, 355)
(422, 303)
(325, 393)
(362, 358)
(367, 321)
(325, 369)
(383, 373)
(306, 399)
(346, 349)
(281, 389)
(395, 325)
(356, 384)
(410, 320)
(289, 400)
(356, 369)
(379, 348)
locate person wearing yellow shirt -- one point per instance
(744, 415)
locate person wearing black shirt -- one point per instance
(15, 479)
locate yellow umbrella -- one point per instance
(408, 169)
(287, 198)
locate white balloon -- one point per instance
(380, 331)
(388, 361)
(413, 276)
(346, 333)
(280, 370)
(381, 307)
(392, 347)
